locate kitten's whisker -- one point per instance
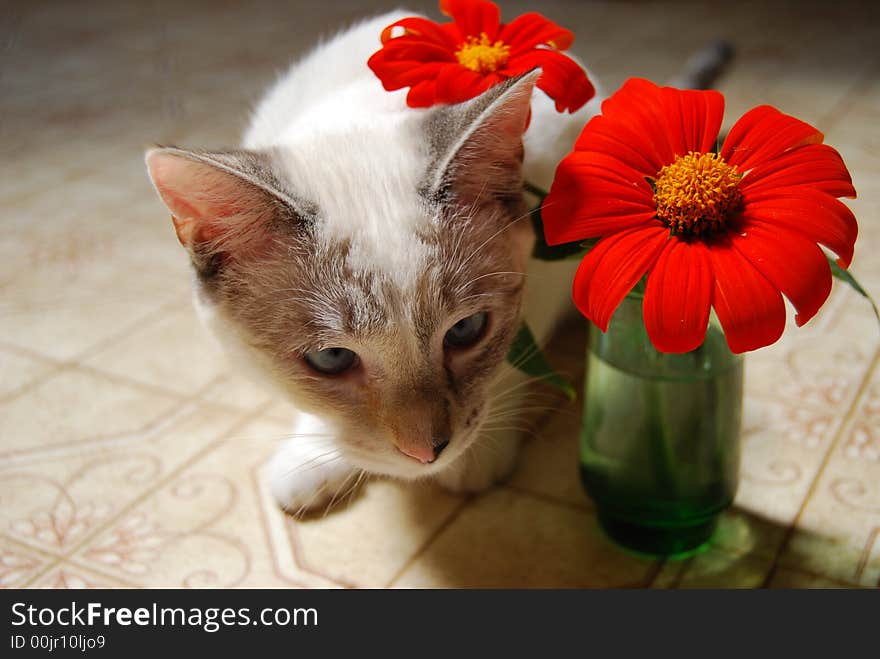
(336, 494)
(460, 288)
(484, 243)
(314, 463)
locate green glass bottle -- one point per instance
(660, 435)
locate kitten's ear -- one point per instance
(221, 203)
(480, 142)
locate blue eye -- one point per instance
(331, 361)
(467, 331)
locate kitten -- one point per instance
(369, 260)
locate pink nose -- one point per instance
(420, 452)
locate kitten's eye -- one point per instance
(467, 331)
(331, 361)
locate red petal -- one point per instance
(693, 118)
(817, 165)
(422, 94)
(764, 133)
(749, 307)
(473, 17)
(607, 136)
(678, 297)
(532, 29)
(791, 263)
(595, 195)
(811, 213)
(420, 29)
(456, 83)
(396, 75)
(638, 105)
(611, 269)
(562, 79)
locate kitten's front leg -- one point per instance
(308, 472)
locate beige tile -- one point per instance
(816, 366)
(75, 406)
(838, 533)
(507, 539)
(237, 392)
(68, 576)
(548, 463)
(785, 578)
(715, 569)
(19, 370)
(56, 500)
(19, 564)
(61, 310)
(367, 542)
(740, 533)
(780, 459)
(212, 525)
(174, 352)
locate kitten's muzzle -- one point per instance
(425, 454)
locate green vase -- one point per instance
(660, 436)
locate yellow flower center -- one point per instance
(481, 55)
(696, 194)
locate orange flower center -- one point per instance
(697, 193)
(481, 55)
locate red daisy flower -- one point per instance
(734, 230)
(454, 62)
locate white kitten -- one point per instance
(368, 259)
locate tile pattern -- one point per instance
(131, 456)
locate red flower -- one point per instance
(734, 230)
(454, 62)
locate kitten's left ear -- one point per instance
(480, 142)
(223, 203)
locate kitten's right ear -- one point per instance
(222, 203)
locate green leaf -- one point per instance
(845, 276)
(526, 356)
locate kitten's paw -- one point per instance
(305, 476)
(483, 465)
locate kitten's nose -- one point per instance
(438, 448)
(425, 454)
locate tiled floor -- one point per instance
(131, 456)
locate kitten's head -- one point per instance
(374, 274)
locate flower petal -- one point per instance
(810, 213)
(532, 29)
(638, 106)
(611, 269)
(603, 134)
(595, 195)
(764, 133)
(456, 83)
(420, 29)
(817, 165)
(693, 118)
(749, 307)
(791, 263)
(473, 17)
(678, 296)
(562, 79)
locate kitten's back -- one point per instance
(331, 85)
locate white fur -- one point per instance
(330, 105)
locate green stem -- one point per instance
(535, 190)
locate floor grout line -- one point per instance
(454, 515)
(814, 484)
(150, 491)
